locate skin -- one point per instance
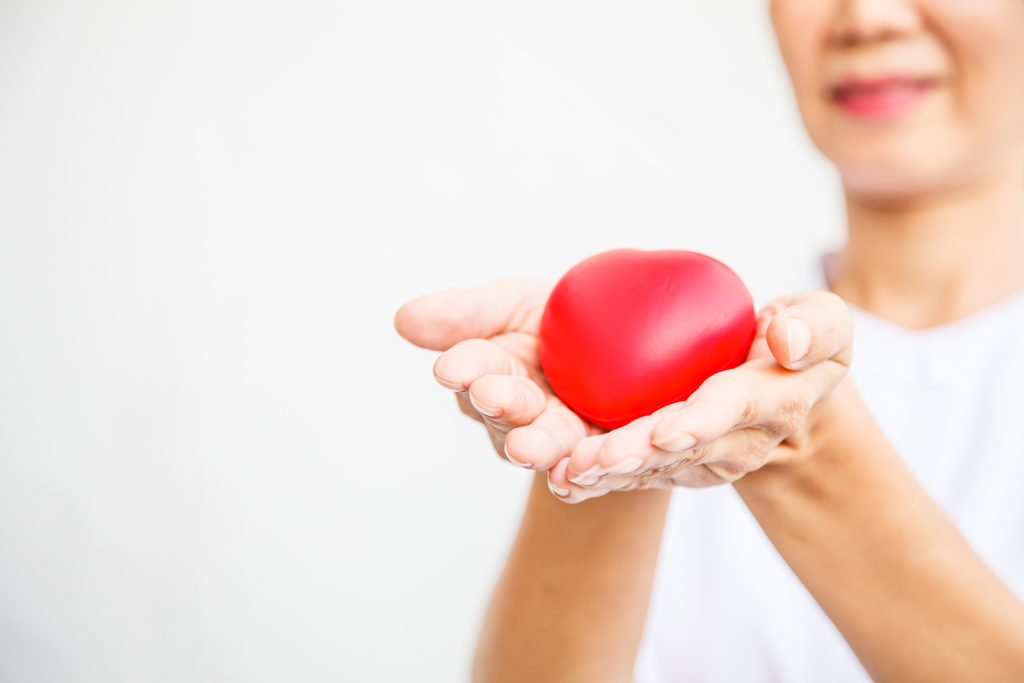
(935, 208)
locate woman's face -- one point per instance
(908, 96)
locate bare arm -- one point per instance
(571, 602)
(543, 622)
(907, 592)
(887, 566)
(882, 559)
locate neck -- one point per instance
(930, 261)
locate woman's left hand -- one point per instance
(738, 421)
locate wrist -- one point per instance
(835, 429)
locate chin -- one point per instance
(896, 168)
(890, 186)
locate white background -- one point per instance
(218, 462)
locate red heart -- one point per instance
(627, 332)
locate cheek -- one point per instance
(985, 40)
(801, 31)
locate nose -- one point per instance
(866, 21)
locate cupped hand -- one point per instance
(488, 337)
(737, 421)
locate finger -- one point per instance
(461, 365)
(758, 394)
(723, 461)
(497, 428)
(440, 320)
(811, 327)
(581, 465)
(507, 401)
(759, 347)
(467, 408)
(622, 451)
(565, 490)
(724, 402)
(549, 438)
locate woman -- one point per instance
(859, 480)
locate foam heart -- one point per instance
(627, 332)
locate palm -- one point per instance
(739, 419)
(489, 338)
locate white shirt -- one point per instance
(725, 606)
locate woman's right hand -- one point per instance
(489, 340)
(551, 616)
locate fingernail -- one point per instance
(514, 461)
(454, 386)
(678, 441)
(560, 492)
(482, 409)
(798, 339)
(627, 466)
(589, 477)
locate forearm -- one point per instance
(571, 602)
(884, 562)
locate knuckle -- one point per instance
(791, 416)
(737, 388)
(532, 392)
(612, 451)
(715, 475)
(727, 470)
(748, 410)
(727, 381)
(747, 458)
(702, 454)
(562, 423)
(560, 428)
(730, 383)
(644, 480)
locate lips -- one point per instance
(880, 97)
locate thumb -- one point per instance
(809, 328)
(440, 320)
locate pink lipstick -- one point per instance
(880, 97)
